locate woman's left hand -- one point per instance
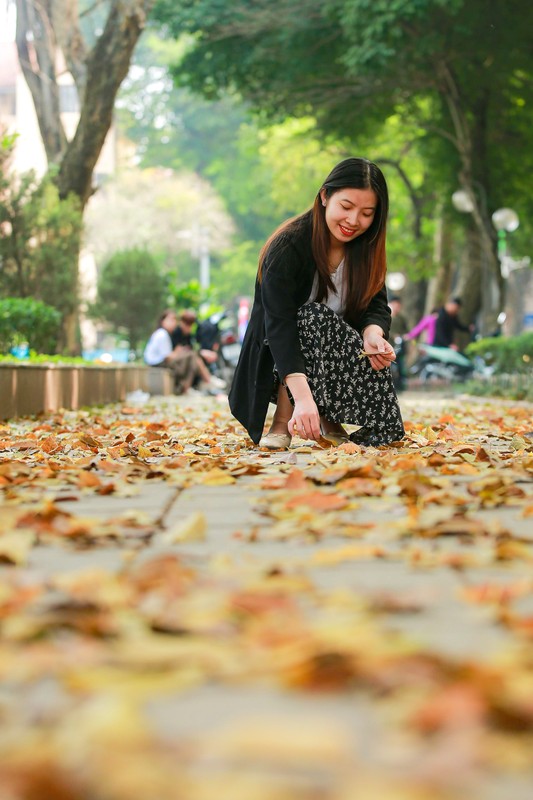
(374, 343)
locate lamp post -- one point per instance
(505, 220)
(199, 238)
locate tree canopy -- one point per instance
(460, 68)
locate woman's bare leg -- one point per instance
(283, 412)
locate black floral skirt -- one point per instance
(345, 387)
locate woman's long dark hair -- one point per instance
(365, 261)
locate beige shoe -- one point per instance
(276, 441)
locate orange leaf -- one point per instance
(88, 480)
(319, 501)
(295, 480)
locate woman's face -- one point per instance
(349, 213)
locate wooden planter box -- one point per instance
(29, 389)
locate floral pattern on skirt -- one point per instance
(345, 387)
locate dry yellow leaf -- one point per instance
(191, 529)
(15, 546)
(217, 477)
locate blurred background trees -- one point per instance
(230, 114)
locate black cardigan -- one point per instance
(272, 333)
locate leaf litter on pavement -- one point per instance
(108, 620)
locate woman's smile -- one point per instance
(347, 231)
(349, 212)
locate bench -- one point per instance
(159, 381)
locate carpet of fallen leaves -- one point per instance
(88, 650)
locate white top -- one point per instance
(159, 346)
(336, 300)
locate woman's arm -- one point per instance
(377, 313)
(283, 275)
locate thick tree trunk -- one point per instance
(470, 142)
(107, 66)
(44, 27)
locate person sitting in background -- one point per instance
(426, 325)
(447, 323)
(185, 365)
(182, 336)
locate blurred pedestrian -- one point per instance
(448, 323)
(426, 325)
(316, 343)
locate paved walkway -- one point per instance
(388, 577)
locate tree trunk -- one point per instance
(465, 134)
(107, 66)
(42, 28)
(36, 47)
(441, 283)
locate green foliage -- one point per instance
(45, 358)
(31, 321)
(191, 295)
(131, 294)
(506, 353)
(459, 68)
(236, 276)
(40, 242)
(187, 295)
(514, 386)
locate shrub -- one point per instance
(506, 354)
(131, 293)
(28, 320)
(39, 245)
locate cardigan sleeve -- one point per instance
(282, 278)
(376, 313)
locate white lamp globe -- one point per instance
(505, 219)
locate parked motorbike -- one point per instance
(441, 364)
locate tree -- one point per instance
(157, 210)
(459, 67)
(98, 64)
(40, 239)
(131, 293)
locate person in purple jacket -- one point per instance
(316, 343)
(427, 325)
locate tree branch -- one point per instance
(36, 48)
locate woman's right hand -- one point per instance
(305, 420)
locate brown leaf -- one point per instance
(319, 501)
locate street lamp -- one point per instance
(462, 201)
(395, 281)
(199, 238)
(505, 220)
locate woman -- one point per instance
(185, 364)
(316, 344)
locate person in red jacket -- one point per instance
(316, 343)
